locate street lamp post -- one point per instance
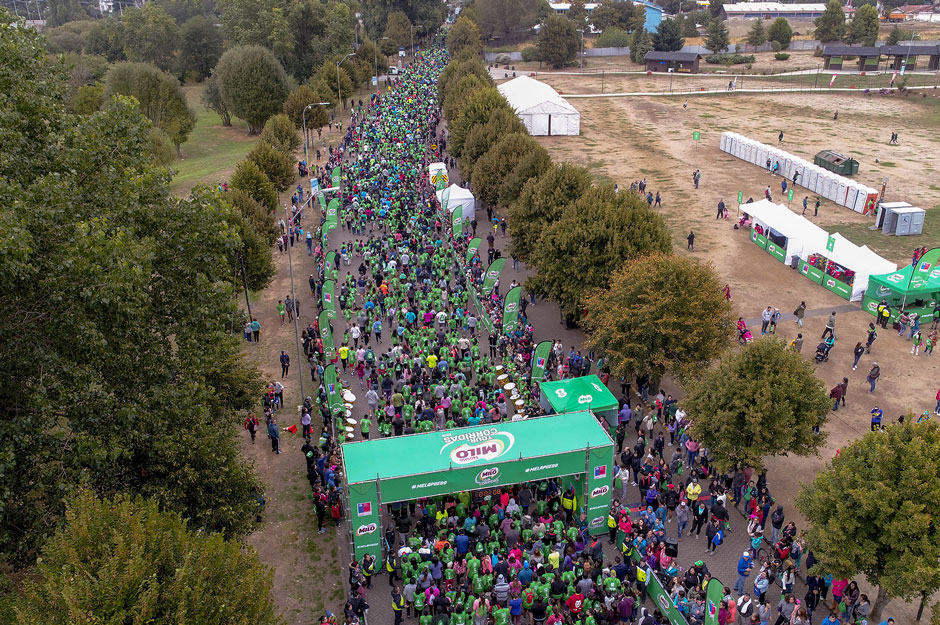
(304, 116)
(375, 54)
(339, 86)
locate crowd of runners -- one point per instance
(412, 342)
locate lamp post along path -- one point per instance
(304, 116)
(375, 54)
(339, 86)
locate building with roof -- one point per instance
(835, 57)
(682, 62)
(905, 56)
(654, 14)
(771, 10)
(540, 108)
(918, 12)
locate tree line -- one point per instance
(607, 259)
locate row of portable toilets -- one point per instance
(813, 178)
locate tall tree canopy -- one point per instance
(873, 512)
(594, 236)
(668, 36)
(830, 26)
(642, 322)
(559, 40)
(764, 400)
(151, 36)
(125, 561)
(117, 329)
(253, 84)
(464, 35)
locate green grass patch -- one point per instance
(887, 164)
(894, 248)
(210, 154)
(706, 115)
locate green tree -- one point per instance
(252, 83)
(107, 39)
(212, 100)
(161, 147)
(327, 75)
(764, 400)
(71, 37)
(577, 13)
(277, 166)
(316, 116)
(541, 203)
(464, 35)
(558, 41)
(613, 37)
(756, 36)
(467, 86)
(714, 9)
(502, 157)
(183, 10)
(280, 132)
(869, 515)
(643, 334)
(502, 122)
(428, 13)
(200, 48)
(370, 55)
(255, 215)
(455, 71)
(863, 29)
(501, 17)
(151, 36)
(399, 30)
(476, 110)
(116, 561)
(159, 94)
(594, 236)
(532, 165)
(668, 36)
(59, 12)
(690, 25)
(249, 178)
(640, 44)
(717, 36)
(781, 32)
(88, 99)
(830, 26)
(624, 15)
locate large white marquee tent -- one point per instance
(459, 197)
(540, 108)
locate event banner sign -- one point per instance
(314, 186)
(456, 222)
(483, 474)
(811, 272)
(540, 360)
(333, 388)
(473, 247)
(336, 178)
(925, 269)
(837, 286)
(600, 477)
(326, 335)
(662, 599)
(445, 199)
(714, 593)
(441, 182)
(492, 275)
(364, 520)
(511, 310)
(332, 216)
(330, 263)
(329, 300)
(487, 322)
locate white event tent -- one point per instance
(459, 197)
(540, 108)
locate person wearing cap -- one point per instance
(682, 518)
(745, 566)
(692, 491)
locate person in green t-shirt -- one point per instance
(365, 425)
(501, 615)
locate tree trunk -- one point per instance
(226, 119)
(878, 605)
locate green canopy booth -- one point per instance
(573, 446)
(586, 392)
(914, 288)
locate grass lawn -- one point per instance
(212, 150)
(897, 249)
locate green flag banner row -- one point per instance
(445, 198)
(492, 275)
(511, 310)
(332, 216)
(326, 335)
(714, 593)
(334, 390)
(330, 263)
(336, 178)
(329, 300)
(540, 360)
(487, 322)
(456, 222)
(473, 247)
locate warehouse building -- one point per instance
(771, 10)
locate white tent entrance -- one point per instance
(459, 197)
(540, 108)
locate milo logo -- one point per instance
(600, 490)
(664, 604)
(883, 290)
(362, 530)
(872, 306)
(597, 522)
(585, 399)
(830, 283)
(771, 248)
(487, 476)
(492, 274)
(511, 307)
(486, 445)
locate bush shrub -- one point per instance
(781, 56)
(613, 37)
(729, 59)
(503, 58)
(531, 54)
(776, 46)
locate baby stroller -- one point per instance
(745, 336)
(822, 352)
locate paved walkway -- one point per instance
(814, 312)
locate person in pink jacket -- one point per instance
(692, 447)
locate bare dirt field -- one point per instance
(627, 139)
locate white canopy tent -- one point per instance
(540, 108)
(459, 197)
(862, 260)
(785, 228)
